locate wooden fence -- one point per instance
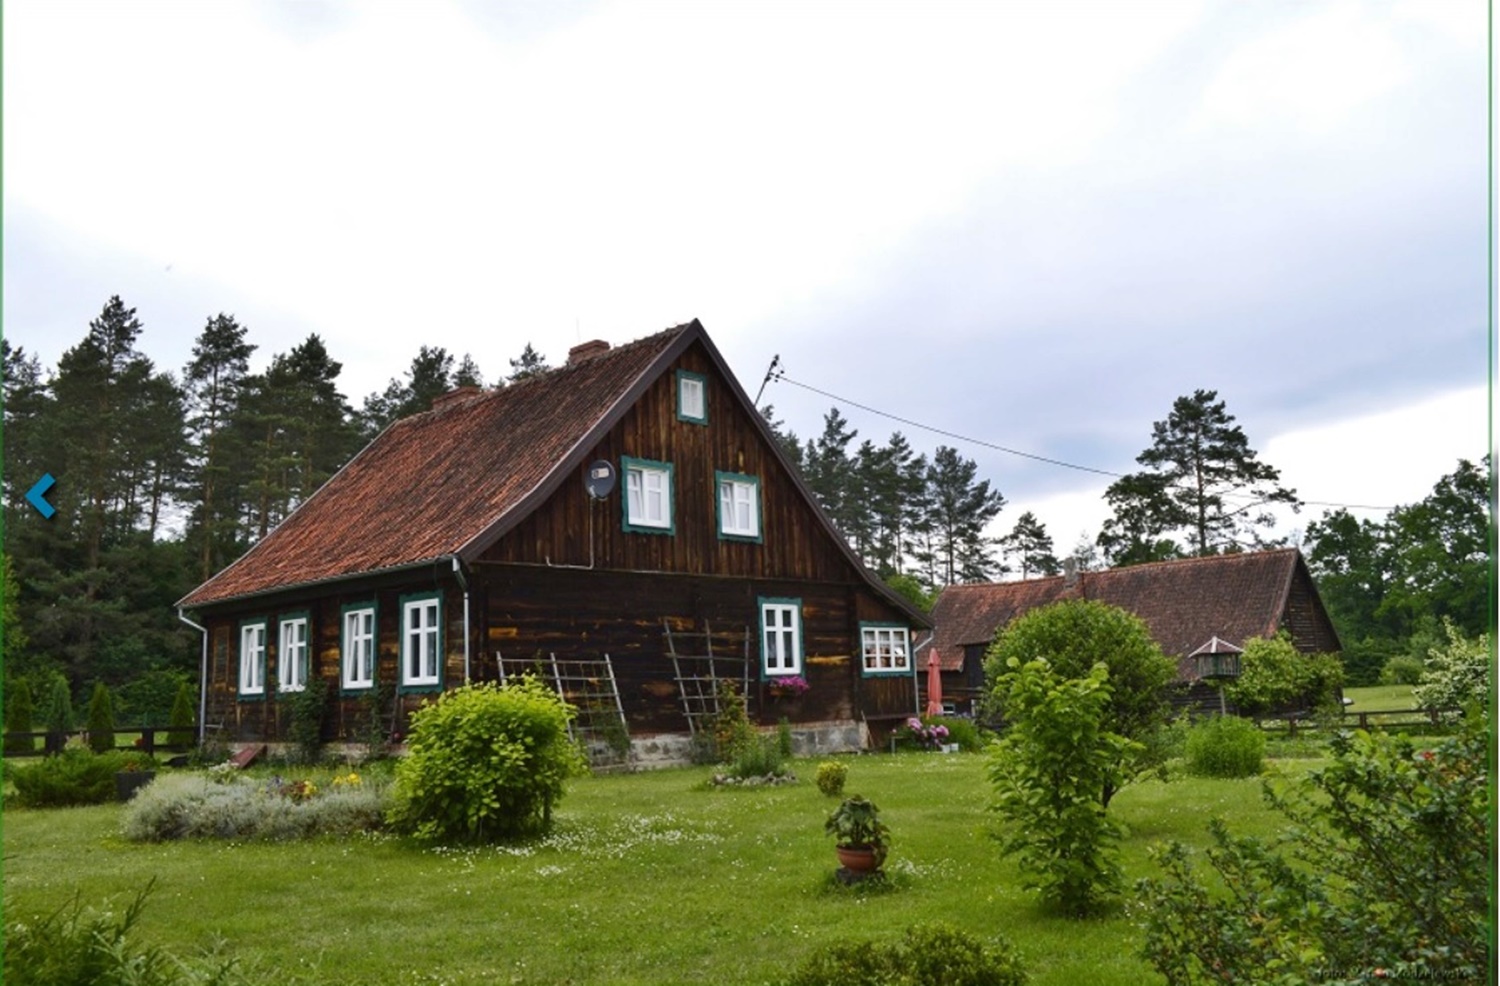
(1366, 720)
(148, 742)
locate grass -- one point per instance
(648, 878)
(1380, 698)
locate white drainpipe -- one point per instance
(202, 677)
(463, 582)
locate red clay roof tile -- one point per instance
(1183, 602)
(433, 483)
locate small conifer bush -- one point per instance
(101, 720)
(183, 717)
(19, 709)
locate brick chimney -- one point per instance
(458, 395)
(587, 350)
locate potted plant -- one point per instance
(789, 686)
(861, 839)
(133, 775)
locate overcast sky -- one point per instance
(1031, 224)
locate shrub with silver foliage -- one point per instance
(194, 807)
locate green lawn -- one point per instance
(1380, 698)
(648, 878)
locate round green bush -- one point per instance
(485, 762)
(1225, 746)
(1401, 669)
(831, 776)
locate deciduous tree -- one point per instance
(1073, 636)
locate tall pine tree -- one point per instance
(1203, 480)
(1031, 547)
(215, 384)
(962, 507)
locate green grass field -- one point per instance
(648, 878)
(1380, 698)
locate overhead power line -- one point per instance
(775, 375)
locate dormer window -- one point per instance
(692, 397)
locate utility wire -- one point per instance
(775, 375)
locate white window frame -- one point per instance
(780, 637)
(885, 648)
(253, 658)
(358, 629)
(292, 655)
(648, 496)
(738, 493)
(692, 397)
(426, 638)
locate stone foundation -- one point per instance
(809, 739)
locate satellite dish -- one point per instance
(599, 480)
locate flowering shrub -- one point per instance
(790, 686)
(926, 736)
(292, 790)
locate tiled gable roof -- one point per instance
(1185, 603)
(434, 484)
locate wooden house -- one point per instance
(1200, 610)
(631, 503)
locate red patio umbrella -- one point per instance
(934, 685)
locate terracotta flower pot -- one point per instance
(858, 860)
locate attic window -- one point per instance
(739, 506)
(648, 496)
(692, 397)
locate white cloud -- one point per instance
(1314, 70)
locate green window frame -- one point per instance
(885, 649)
(781, 643)
(692, 389)
(253, 661)
(647, 502)
(737, 504)
(422, 654)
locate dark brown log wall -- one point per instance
(794, 543)
(347, 715)
(536, 611)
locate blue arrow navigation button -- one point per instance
(37, 496)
